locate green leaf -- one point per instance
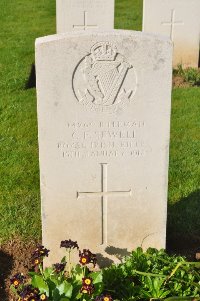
(145, 294)
(97, 277)
(78, 269)
(65, 288)
(181, 299)
(55, 280)
(196, 285)
(164, 294)
(56, 295)
(52, 285)
(63, 260)
(32, 273)
(47, 272)
(38, 282)
(149, 274)
(13, 289)
(78, 273)
(78, 296)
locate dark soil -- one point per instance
(15, 257)
(178, 82)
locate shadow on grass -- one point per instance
(183, 227)
(31, 82)
(6, 265)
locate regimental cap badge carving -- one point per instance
(101, 80)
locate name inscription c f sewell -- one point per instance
(104, 139)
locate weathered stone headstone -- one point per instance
(104, 122)
(180, 20)
(84, 15)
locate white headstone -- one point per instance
(104, 121)
(84, 15)
(180, 20)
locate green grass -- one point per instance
(21, 21)
(184, 171)
(128, 14)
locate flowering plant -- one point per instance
(141, 276)
(62, 281)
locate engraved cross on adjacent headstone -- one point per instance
(104, 194)
(85, 26)
(172, 24)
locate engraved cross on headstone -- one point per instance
(172, 24)
(104, 194)
(85, 26)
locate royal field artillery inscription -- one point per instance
(104, 121)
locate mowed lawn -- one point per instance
(21, 22)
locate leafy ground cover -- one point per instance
(140, 276)
(21, 21)
(189, 77)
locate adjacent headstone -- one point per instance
(104, 122)
(180, 20)
(84, 15)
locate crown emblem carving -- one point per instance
(104, 51)
(104, 79)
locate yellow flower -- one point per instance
(88, 281)
(106, 299)
(16, 283)
(83, 260)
